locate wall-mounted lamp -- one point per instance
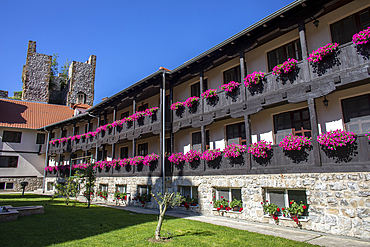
(316, 23)
(325, 102)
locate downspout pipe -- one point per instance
(46, 160)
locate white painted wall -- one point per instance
(29, 164)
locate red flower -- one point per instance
(278, 209)
(261, 202)
(221, 206)
(214, 196)
(188, 196)
(222, 197)
(291, 202)
(142, 205)
(218, 209)
(211, 202)
(241, 209)
(267, 201)
(227, 201)
(282, 208)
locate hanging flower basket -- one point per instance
(192, 155)
(148, 159)
(177, 158)
(285, 68)
(177, 105)
(291, 142)
(335, 139)
(254, 78)
(260, 149)
(209, 93)
(362, 37)
(211, 154)
(234, 150)
(317, 55)
(229, 87)
(190, 101)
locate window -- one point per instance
(143, 107)
(9, 161)
(232, 74)
(144, 190)
(282, 197)
(103, 187)
(228, 194)
(52, 135)
(102, 154)
(168, 146)
(6, 186)
(294, 122)
(196, 140)
(142, 149)
(77, 130)
(343, 30)
(195, 88)
(235, 133)
(81, 98)
(356, 113)
(123, 152)
(40, 138)
(281, 54)
(121, 188)
(125, 114)
(12, 136)
(49, 186)
(191, 191)
(64, 133)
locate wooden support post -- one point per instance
(172, 135)
(161, 137)
(73, 133)
(315, 131)
(302, 39)
(248, 134)
(201, 89)
(242, 74)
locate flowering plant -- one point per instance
(177, 105)
(221, 204)
(192, 155)
(368, 136)
(229, 87)
(259, 149)
(317, 55)
(151, 111)
(361, 37)
(50, 168)
(190, 101)
(254, 78)
(292, 142)
(294, 208)
(337, 138)
(209, 93)
(102, 194)
(81, 166)
(192, 201)
(234, 150)
(236, 203)
(286, 67)
(142, 198)
(149, 158)
(120, 196)
(176, 158)
(211, 154)
(137, 160)
(270, 208)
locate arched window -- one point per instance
(81, 98)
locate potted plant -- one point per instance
(149, 158)
(361, 37)
(254, 78)
(234, 150)
(211, 154)
(120, 196)
(317, 55)
(295, 210)
(260, 149)
(272, 209)
(102, 194)
(221, 204)
(286, 67)
(291, 142)
(236, 205)
(177, 158)
(192, 155)
(177, 105)
(209, 93)
(335, 139)
(189, 102)
(229, 87)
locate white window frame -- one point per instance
(230, 194)
(286, 200)
(102, 187)
(141, 187)
(191, 190)
(121, 185)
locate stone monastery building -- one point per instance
(328, 92)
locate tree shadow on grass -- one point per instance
(193, 233)
(61, 223)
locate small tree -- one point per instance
(165, 201)
(88, 178)
(70, 189)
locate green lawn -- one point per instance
(63, 225)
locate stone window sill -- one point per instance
(304, 219)
(223, 210)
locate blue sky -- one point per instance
(131, 39)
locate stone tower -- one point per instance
(36, 75)
(37, 86)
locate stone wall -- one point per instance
(82, 79)
(34, 183)
(339, 203)
(36, 75)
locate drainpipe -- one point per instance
(46, 160)
(96, 148)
